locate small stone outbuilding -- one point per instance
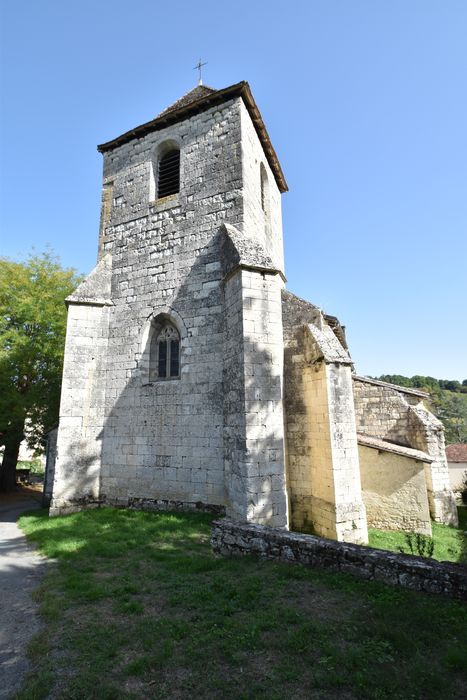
(194, 379)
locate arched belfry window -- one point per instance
(168, 173)
(164, 355)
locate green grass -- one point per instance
(450, 542)
(35, 465)
(137, 606)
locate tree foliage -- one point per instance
(448, 401)
(32, 334)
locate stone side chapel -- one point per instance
(193, 379)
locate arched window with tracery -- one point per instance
(164, 355)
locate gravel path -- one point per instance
(21, 568)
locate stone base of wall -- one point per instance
(149, 504)
(443, 506)
(415, 573)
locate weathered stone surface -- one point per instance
(394, 487)
(234, 538)
(50, 460)
(126, 439)
(260, 414)
(398, 415)
(96, 288)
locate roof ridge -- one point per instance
(210, 99)
(196, 93)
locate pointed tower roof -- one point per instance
(198, 100)
(194, 95)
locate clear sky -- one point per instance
(365, 102)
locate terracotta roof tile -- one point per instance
(456, 453)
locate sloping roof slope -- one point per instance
(456, 453)
(197, 93)
(199, 100)
(96, 288)
(396, 387)
(385, 446)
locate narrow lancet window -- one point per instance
(265, 202)
(264, 190)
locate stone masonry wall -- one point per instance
(164, 440)
(426, 432)
(255, 219)
(416, 573)
(50, 460)
(399, 416)
(296, 312)
(298, 434)
(79, 441)
(382, 411)
(210, 177)
(322, 454)
(254, 422)
(394, 491)
(234, 399)
(337, 509)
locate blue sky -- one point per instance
(365, 102)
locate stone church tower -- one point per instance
(192, 379)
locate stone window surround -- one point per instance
(156, 321)
(171, 333)
(168, 173)
(160, 149)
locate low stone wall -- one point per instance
(416, 573)
(149, 504)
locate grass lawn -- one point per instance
(137, 606)
(450, 542)
(35, 465)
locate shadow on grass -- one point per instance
(108, 532)
(138, 606)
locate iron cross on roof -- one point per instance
(199, 66)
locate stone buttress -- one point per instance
(193, 380)
(322, 451)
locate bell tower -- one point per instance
(172, 390)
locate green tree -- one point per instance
(448, 401)
(450, 384)
(451, 408)
(32, 334)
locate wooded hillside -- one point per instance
(448, 401)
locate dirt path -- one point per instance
(20, 571)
